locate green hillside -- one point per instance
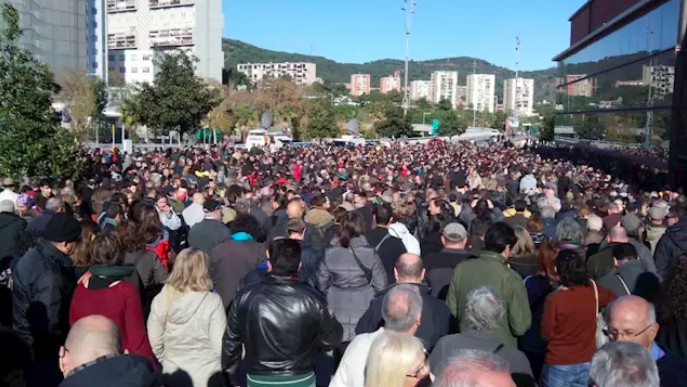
(237, 52)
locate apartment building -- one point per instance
(518, 96)
(421, 89)
(360, 84)
(390, 83)
(444, 86)
(302, 73)
(139, 32)
(481, 92)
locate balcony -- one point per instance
(121, 41)
(156, 4)
(114, 6)
(174, 37)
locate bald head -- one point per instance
(402, 308)
(633, 319)
(617, 235)
(409, 268)
(199, 198)
(89, 338)
(294, 209)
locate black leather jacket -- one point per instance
(281, 322)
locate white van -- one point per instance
(261, 138)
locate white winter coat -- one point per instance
(185, 332)
(400, 231)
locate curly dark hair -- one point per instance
(143, 227)
(572, 269)
(248, 224)
(671, 304)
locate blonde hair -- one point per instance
(524, 247)
(391, 356)
(191, 272)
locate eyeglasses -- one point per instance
(614, 334)
(425, 365)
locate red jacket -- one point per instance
(120, 303)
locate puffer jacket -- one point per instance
(185, 332)
(11, 235)
(670, 246)
(345, 284)
(281, 323)
(44, 282)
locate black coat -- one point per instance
(281, 323)
(673, 336)
(672, 370)
(439, 268)
(670, 246)
(388, 251)
(44, 282)
(118, 371)
(431, 243)
(434, 322)
(12, 238)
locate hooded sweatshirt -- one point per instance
(185, 332)
(400, 231)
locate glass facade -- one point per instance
(618, 92)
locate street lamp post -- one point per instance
(423, 118)
(409, 10)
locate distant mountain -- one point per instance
(237, 52)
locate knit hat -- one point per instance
(211, 205)
(631, 222)
(62, 227)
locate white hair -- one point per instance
(623, 363)
(401, 307)
(6, 206)
(465, 368)
(594, 223)
(484, 310)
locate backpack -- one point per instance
(162, 250)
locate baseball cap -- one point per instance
(454, 232)
(657, 213)
(211, 205)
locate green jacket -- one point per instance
(490, 269)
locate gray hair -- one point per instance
(401, 307)
(484, 309)
(594, 223)
(465, 368)
(54, 204)
(569, 230)
(624, 364)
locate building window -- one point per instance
(122, 58)
(134, 70)
(146, 57)
(111, 58)
(134, 57)
(111, 68)
(146, 70)
(122, 70)
(95, 65)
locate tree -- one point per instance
(178, 100)
(394, 123)
(451, 125)
(423, 104)
(591, 128)
(548, 128)
(445, 105)
(32, 143)
(85, 98)
(115, 79)
(321, 120)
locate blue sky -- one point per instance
(365, 30)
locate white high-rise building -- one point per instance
(301, 73)
(481, 91)
(96, 20)
(444, 86)
(139, 32)
(520, 99)
(421, 89)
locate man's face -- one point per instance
(359, 201)
(631, 323)
(46, 190)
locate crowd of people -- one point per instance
(384, 265)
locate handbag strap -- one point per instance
(498, 349)
(627, 290)
(596, 297)
(366, 270)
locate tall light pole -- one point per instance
(474, 86)
(409, 10)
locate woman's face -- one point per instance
(418, 372)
